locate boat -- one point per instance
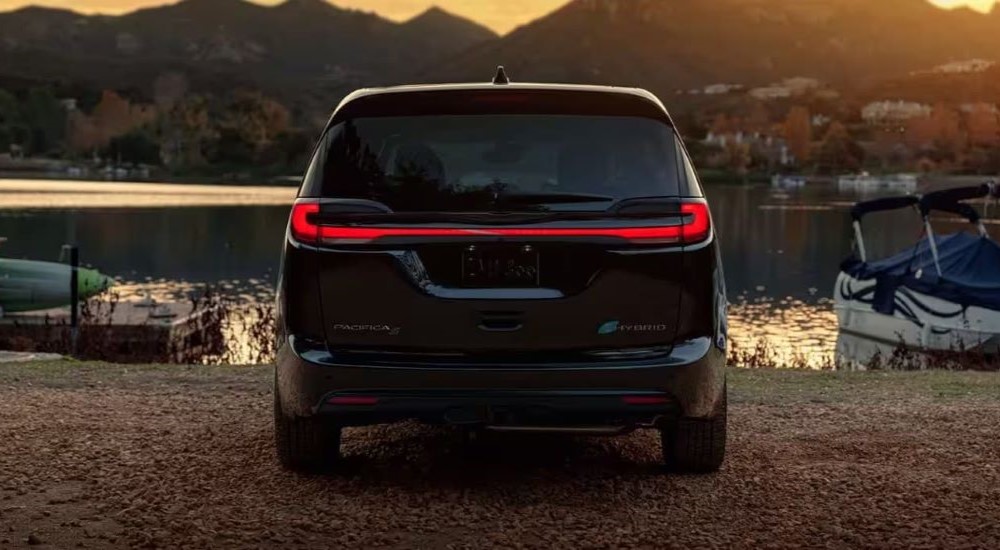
(779, 181)
(28, 285)
(941, 294)
(867, 183)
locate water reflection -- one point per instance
(782, 248)
(788, 333)
(782, 251)
(195, 245)
(19, 194)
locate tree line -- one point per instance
(175, 130)
(32, 123)
(185, 132)
(947, 138)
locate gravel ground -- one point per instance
(104, 456)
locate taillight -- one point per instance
(695, 227)
(699, 227)
(305, 229)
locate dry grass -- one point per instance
(166, 456)
(763, 355)
(237, 330)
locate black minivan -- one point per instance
(510, 257)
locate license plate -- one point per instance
(500, 266)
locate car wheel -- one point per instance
(305, 444)
(696, 445)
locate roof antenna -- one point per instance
(501, 77)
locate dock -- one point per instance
(124, 332)
(27, 357)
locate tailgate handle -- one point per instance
(501, 325)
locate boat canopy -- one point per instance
(970, 272)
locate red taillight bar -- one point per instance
(693, 230)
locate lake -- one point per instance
(781, 248)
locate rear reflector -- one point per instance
(644, 400)
(353, 400)
(695, 227)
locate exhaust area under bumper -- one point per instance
(689, 382)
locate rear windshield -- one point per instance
(474, 162)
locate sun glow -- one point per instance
(979, 5)
(501, 15)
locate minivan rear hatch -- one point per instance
(498, 234)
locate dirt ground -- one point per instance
(98, 456)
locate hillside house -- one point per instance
(769, 93)
(881, 112)
(763, 148)
(720, 89)
(967, 66)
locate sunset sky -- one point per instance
(501, 15)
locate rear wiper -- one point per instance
(551, 198)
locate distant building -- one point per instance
(723, 139)
(820, 120)
(767, 93)
(973, 107)
(893, 111)
(967, 66)
(719, 89)
(799, 85)
(773, 149)
(789, 87)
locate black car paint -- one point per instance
(311, 367)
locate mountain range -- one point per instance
(676, 44)
(295, 47)
(310, 48)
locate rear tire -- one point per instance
(305, 444)
(696, 445)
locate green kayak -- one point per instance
(27, 285)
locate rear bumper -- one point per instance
(537, 409)
(688, 383)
